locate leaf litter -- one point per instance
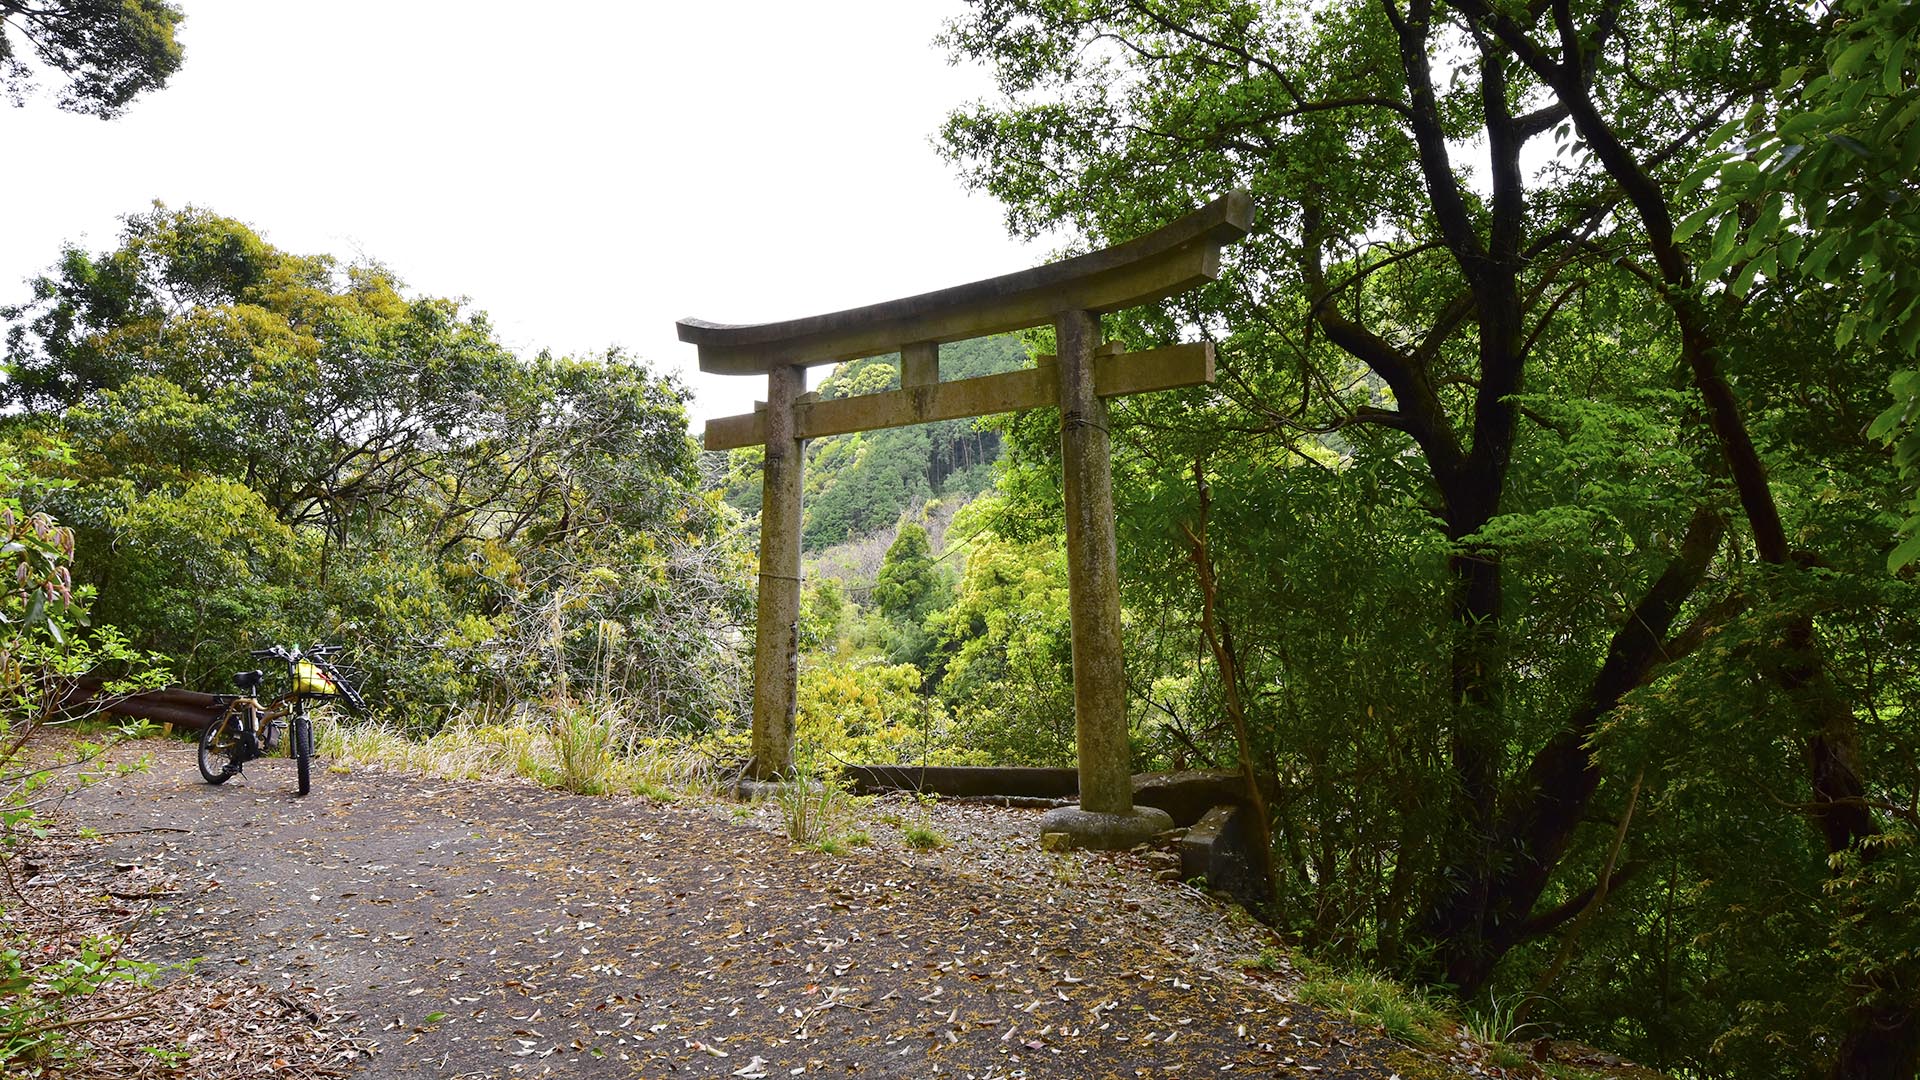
(493, 928)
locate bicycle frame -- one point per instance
(245, 727)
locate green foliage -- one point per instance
(1007, 647)
(867, 712)
(1364, 997)
(47, 644)
(1815, 188)
(1456, 443)
(47, 637)
(922, 837)
(583, 739)
(815, 809)
(866, 482)
(42, 1013)
(823, 614)
(107, 51)
(273, 447)
(909, 590)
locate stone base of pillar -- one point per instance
(1106, 832)
(747, 789)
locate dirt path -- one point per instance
(495, 929)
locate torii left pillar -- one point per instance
(776, 651)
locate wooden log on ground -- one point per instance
(176, 705)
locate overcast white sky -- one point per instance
(586, 173)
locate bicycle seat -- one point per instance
(248, 681)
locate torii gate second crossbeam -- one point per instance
(1071, 294)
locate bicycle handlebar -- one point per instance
(280, 652)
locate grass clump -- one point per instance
(1363, 997)
(583, 749)
(1269, 959)
(815, 807)
(586, 748)
(1499, 1022)
(922, 837)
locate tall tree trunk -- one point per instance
(1478, 924)
(1219, 635)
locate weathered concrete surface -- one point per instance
(1093, 576)
(923, 402)
(593, 938)
(1186, 796)
(1106, 831)
(1216, 848)
(965, 781)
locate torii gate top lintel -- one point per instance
(1169, 260)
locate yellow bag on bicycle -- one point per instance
(309, 679)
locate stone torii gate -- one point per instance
(1071, 294)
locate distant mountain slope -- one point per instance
(862, 483)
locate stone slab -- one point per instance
(1188, 795)
(1216, 848)
(965, 781)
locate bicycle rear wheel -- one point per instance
(223, 746)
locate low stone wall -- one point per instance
(965, 781)
(1185, 796)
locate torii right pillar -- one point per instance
(1106, 816)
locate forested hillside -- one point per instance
(1580, 678)
(861, 484)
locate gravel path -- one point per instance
(497, 929)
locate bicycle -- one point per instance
(247, 729)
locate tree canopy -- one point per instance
(272, 446)
(107, 52)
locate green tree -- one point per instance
(108, 51)
(909, 590)
(1611, 452)
(1006, 647)
(271, 446)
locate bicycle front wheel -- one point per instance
(303, 750)
(222, 746)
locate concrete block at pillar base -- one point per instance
(747, 790)
(1106, 832)
(1220, 849)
